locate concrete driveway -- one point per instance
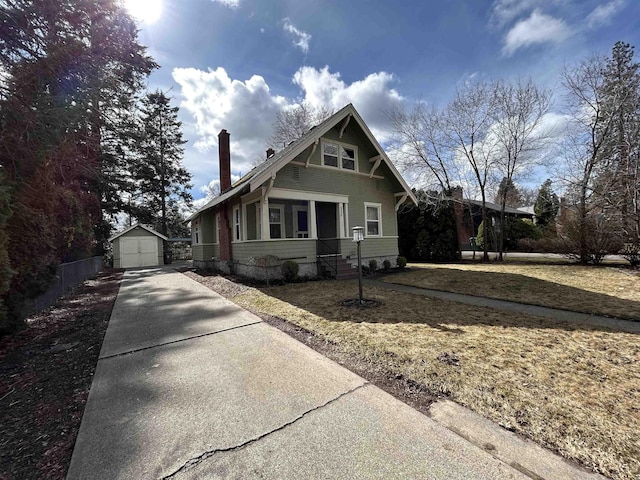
(189, 385)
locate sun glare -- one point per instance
(147, 11)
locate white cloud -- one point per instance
(603, 14)
(247, 109)
(373, 96)
(301, 39)
(537, 28)
(228, 3)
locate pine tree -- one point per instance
(547, 204)
(509, 192)
(160, 177)
(617, 184)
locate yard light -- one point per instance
(358, 236)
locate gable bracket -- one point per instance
(376, 163)
(265, 193)
(344, 125)
(313, 150)
(403, 196)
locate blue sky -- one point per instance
(234, 63)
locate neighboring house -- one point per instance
(469, 216)
(301, 204)
(138, 246)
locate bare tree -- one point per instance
(586, 137)
(421, 145)
(291, 123)
(519, 134)
(468, 121)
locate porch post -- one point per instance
(341, 231)
(264, 220)
(313, 231)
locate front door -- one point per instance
(300, 221)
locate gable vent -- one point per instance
(296, 173)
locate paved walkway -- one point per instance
(189, 385)
(565, 316)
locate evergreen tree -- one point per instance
(427, 232)
(509, 192)
(70, 67)
(547, 204)
(161, 179)
(617, 184)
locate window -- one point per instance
(373, 216)
(237, 224)
(339, 155)
(348, 156)
(330, 154)
(276, 221)
(196, 232)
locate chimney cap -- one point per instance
(270, 152)
(223, 132)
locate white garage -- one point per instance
(138, 246)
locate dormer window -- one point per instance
(338, 155)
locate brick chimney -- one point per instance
(225, 160)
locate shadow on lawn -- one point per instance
(521, 289)
(323, 299)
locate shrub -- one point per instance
(401, 262)
(589, 239)
(373, 265)
(386, 265)
(631, 252)
(290, 270)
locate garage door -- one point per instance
(138, 252)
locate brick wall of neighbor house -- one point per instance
(464, 231)
(225, 235)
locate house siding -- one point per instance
(300, 250)
(358, 188)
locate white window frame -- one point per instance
(258, 220)
(283, 229)
(196, 231)
(339, 157)
(377, 206)
(237, 224)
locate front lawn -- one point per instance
(608, 291)
(574, 390)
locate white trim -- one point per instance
(138, 224)
(350, 172)
(294, 213)
(339, 158)
(287, 194)
(283, 225)
(313, 150)
(237, 224)
(313, 231)
(216, 230)
(197, 232)
(377, 206)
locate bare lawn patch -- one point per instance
(573, 389)
(607, 291)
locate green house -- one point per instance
(301, 204)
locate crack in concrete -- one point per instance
(192, 462)
(129, 352)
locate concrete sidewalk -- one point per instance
(189, 385)
(567, 317)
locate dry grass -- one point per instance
(607, 291)
(576, 390)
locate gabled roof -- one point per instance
(148, 229)
(263, 172)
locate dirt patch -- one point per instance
(394, 383)
(45, 375)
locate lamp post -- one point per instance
(358, 236)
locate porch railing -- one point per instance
(327, 252)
